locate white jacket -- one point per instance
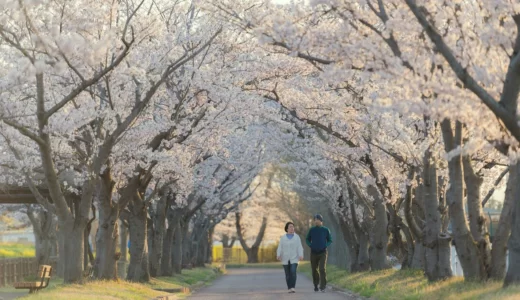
(290, 249)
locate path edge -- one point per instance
(220, 270)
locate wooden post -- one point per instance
(15, 270)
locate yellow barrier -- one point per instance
(237, 255)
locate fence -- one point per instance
(237, 255)
(16, 269)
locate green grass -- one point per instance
(105, 290)
(14, 250)
(188, 278)
(412, 285)
(108, 290)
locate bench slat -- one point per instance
(44, 275)
(45, 271)
(27, 285)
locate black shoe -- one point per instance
(316, 289)
(323, 290)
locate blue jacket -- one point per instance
(318, 239)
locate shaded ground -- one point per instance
(262, 284)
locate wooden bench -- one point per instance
(44, 276)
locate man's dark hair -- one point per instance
(287, 225)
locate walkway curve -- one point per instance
(262, 284)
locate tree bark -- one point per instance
(436, 244)
(252, 252)
(138, 269)
(61, 251)
(415, 229)
(202, 249)
(108, 233)
(209, 252)
(166, 259)
(177, 251)
(228, 242)
(477, 221)
(73, 251)
(513, 271)
(123, 241)
(159, 224)
(187, 244)
(499, 245)
(363, 262)
(44, 228)
(352, 243)
(467, 250)
(379, 233)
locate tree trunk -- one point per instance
(187, 245)
(106, 241)
(209, 252)
(123, 241)
(363, 254)
(61, 251)
(477, 221)
(173, 216)
(44, 228)
(352, 243)
(467, 250)
(436, 244)
(87, 246)
(252, 255)
(513, 271)
(252, 252)
(108, 233)
(150, 234)
(138, 269)
(159, 224)
(202, 247)
(416, 230)
(363, 260)
(499, 245)
(379, 233)
(166, 259)
(177, 251)
(73, 251)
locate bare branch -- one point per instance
(23, 130)
(508, 117)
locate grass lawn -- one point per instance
(121, 289)
(15, 250)
(411, 285)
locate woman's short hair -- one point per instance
(287, 225)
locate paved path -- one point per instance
(260, 284)
(12, 295)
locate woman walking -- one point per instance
(290, 252)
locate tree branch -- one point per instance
(507, 116)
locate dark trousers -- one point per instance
(319, 260)
(290, 275)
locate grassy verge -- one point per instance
(187, 278)
(14, 250)
(411, 285)
(121, 289)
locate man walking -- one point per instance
(318, 239)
